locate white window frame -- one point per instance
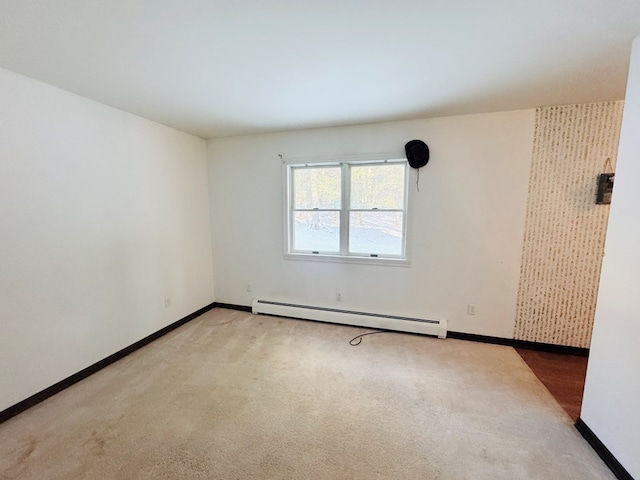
(343, 256)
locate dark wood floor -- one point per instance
(562, 374)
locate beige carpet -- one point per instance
(264, 397)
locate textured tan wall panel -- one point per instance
(565, 230)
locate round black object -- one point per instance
(417, 153)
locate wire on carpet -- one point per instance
(359, 337)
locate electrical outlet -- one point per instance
(338, 296)
(471, 309)
(167, 302)
(249, 287)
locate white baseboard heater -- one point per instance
(436, 328)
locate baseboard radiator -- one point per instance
(436, 328)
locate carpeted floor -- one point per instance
(231, 395)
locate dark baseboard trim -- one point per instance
(231, 306)
(544, 347)
(90, 370)
(607, 457)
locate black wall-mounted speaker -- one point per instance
(417, 153)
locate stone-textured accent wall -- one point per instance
(565, 230)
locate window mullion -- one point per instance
(382, 210)
(317, 210)
(344, 212)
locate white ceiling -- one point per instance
(228, 67)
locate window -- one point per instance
(347, 209)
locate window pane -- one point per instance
(316, 187)
(377, 186)
(376, 233)
(316, 231)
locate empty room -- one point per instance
(319, 240)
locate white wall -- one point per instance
(612, 390)
(465, 226)
(102, 216)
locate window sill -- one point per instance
(388, 262)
